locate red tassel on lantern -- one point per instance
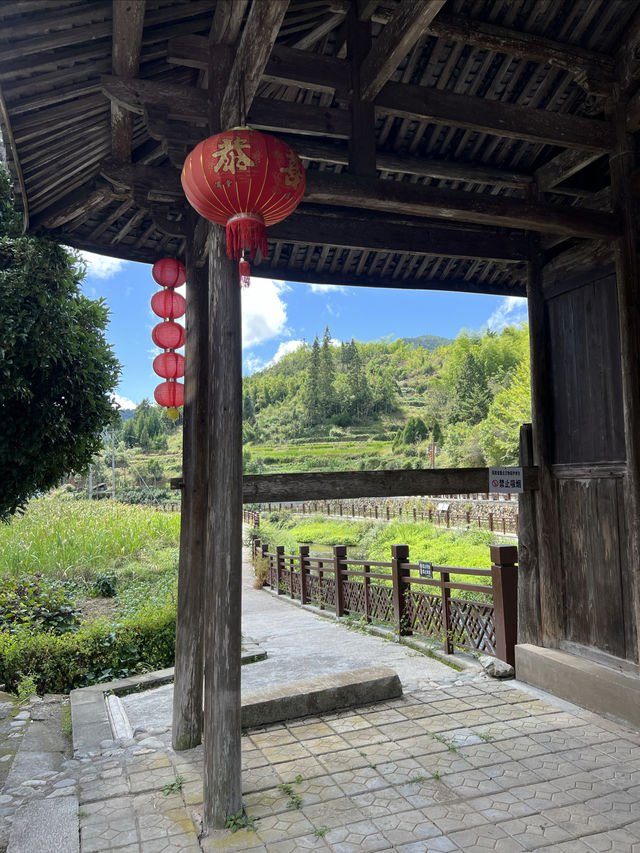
(245, 273)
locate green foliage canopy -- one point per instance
(57, 372)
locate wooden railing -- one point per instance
(393, 593)
(452, 517)
(251, 517)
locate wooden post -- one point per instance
(446, 613)
(279, 565)
(621, 164)
(339, 553)
(399, 556)
(504, 579)
(367, 593)
(491, 522)
(187, 719)
(546, 497)
(528, 577)
(304, 572)
(222, 588)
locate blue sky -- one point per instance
(278, 315)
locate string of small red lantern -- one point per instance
(169, 273)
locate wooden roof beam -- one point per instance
(258, 37)
(309, 225)
(486, 116)
(414, 200)
(409, 22)
(562, 167)
(75, 204)
(593, 71)
(128, 22)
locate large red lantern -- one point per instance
(168, 304)
(168, 335)
(169, 272)
(170, 394)
(244, 180)
(169, 365)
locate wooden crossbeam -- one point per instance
(128, 22)
(563, 166)
(386, 234)
(401, 99)
(258, 37)
(275, 488)
(407, 25)
(413, 200)
(594, 71)
(486, 116)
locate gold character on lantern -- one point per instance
(231, 156)
(291, 171)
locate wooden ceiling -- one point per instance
(474, 123)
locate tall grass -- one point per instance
(74, 539)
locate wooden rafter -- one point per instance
(409, 22)
(562, 167)
(258, 36)
(128, 23)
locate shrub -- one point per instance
(105, 584)
(96, 652)
(30, 603)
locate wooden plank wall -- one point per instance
(588, 453)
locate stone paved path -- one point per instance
(459, 763)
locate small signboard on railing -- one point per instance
(505, 480)
(425, 570)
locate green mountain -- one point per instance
(428, 342)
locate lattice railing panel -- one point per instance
(321, 591)
(424, 613)
(353, 596)
(297, 592)
(472, 625)
(381, 603)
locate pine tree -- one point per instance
(312, 385)
(326, 389)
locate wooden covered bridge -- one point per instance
(481, 146)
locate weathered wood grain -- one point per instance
(128, 22)
(187, 718)
(258, 488)
(406, 26)
(528, 566)
(401, 198)
(487, 116)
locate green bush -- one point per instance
(31, 602)
(105, 584)
(95, 653)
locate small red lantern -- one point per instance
(170, 394)
(169, 365)
(168, 335)
(244, 180)
(169, 272)
(168, 304)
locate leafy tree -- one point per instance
(415, 430)
(248, 409)
(472, 392)
(511, 407)
(57, 372)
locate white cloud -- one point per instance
(101, 266)
(284, 349)
(264, 312)
(122, 402)
(511, 312)
(323, 288)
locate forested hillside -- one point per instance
(328, 406)
(469, 397)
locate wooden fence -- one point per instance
(451, 517)
(394, 593)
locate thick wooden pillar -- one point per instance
(187, 690)
(222, 587)
(528, 566)
(622, 162)
(547, 523)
